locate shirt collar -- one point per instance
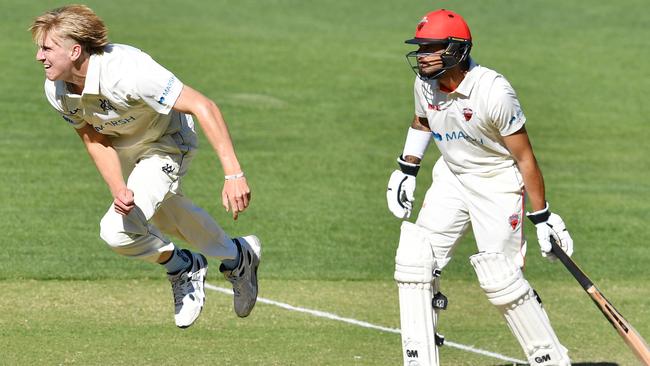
(469, 81)
(91, 85)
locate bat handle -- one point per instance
(579, 275)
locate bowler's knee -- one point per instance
(117, 230)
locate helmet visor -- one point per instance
(424, 41)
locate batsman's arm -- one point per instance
(419, 124)
(522, 151)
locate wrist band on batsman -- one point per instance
(540, 216)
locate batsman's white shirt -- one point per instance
(129, 97)
(467, 124)
(476, 179)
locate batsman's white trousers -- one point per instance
(161, 209)
(492, 202)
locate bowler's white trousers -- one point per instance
(492, 202)
(161, 209)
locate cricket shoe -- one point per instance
(244, 277)
(188, 288)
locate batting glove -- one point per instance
(401, 189)
(550, 225)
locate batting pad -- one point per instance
(506, 288)
(414, 266)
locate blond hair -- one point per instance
(76, 22)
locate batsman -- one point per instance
(486, 169)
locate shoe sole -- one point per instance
(205, 274)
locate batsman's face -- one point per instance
(428, 58)
(57, 57)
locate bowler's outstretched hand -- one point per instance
(235, 196)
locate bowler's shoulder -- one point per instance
(120, 64)
(115, 54)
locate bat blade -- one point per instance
(631, 337)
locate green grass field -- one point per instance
(318, 97)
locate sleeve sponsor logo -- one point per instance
(167, 90)
(516, 117)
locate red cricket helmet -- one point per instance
(442, 27)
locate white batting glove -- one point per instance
(550, 225)
(401, 189)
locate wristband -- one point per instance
(416, 143)
(540, 216)
(408, 168)
(234, 176)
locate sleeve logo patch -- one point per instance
(167, 90)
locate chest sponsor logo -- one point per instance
(114, 123)
(468, 113)
(106, 105)
(433, 107)
(456, 136)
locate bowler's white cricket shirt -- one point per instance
(128, 96)
(468, 123)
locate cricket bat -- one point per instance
(633, 339)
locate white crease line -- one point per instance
(360, 323)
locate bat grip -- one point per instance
(580, 276)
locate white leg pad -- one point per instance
(414, 266)
(506, 288)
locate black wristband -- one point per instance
(539, 217)
(408, 168)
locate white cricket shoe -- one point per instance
(244, 277)
(188, 288)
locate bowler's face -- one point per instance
(56, 56)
